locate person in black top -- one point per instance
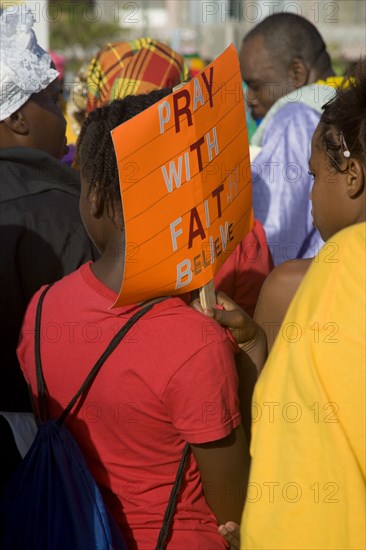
(41, 233)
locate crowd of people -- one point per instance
(272, 403)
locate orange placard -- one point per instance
(185, 182)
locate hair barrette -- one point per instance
(346, 152)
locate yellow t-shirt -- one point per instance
(307, 480)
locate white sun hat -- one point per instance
(25, 68)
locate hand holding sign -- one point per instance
(187, 199)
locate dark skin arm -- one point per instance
(275, 297)
(253, 345)
(276, 294)
(252, 335)
(248, 375)
(224, 468)
(248, 334)
(252, 341)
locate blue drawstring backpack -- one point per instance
(53, 502)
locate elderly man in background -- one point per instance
(289, 75)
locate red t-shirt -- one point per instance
(172, 379)
(243, 273)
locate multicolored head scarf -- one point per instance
(130, 68)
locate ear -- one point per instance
(356, 178)
(18, 123)
(298, 73)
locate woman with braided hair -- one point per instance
(164, 385)
(120, 69)
(333, 207)
(307, 479)
(341, 131)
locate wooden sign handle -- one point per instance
(208, 295)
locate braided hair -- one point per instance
(346, 114)
(95, 151)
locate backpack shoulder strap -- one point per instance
(170, 509)
(41, 386)
(110, 348)
(44, 412)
